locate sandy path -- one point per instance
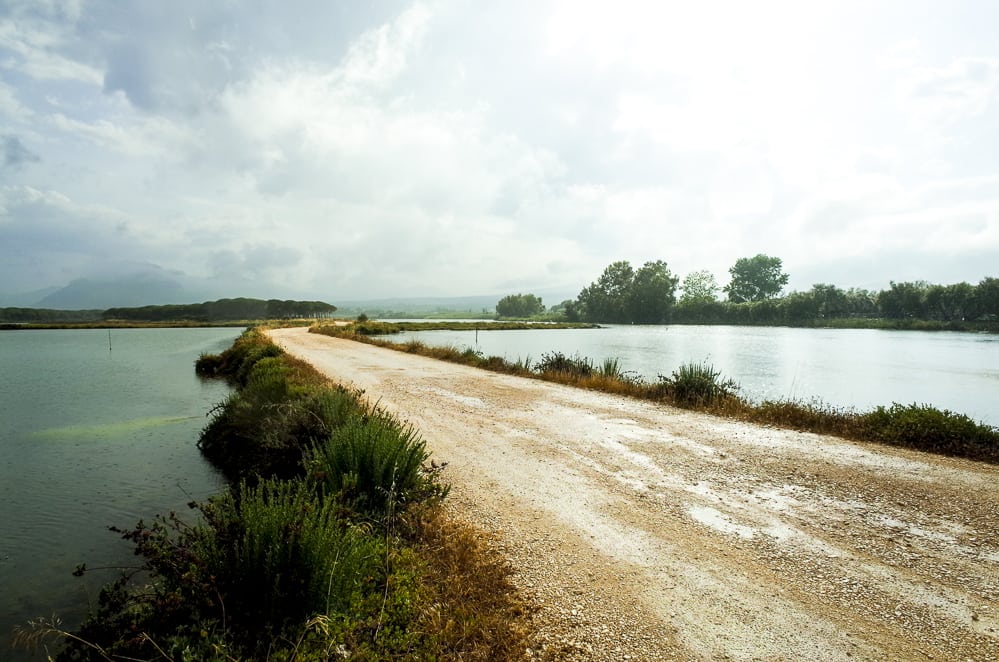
(645, 532)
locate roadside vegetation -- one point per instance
(700, 387)
(331, 541)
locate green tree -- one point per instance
(950, 302)
(904, 300)
(568, 309)
(652, 294)
(699, 287)
(830, 301)
(606, 299)
(519, 305)
(756, 278)
(986, 299)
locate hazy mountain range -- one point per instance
(148, 288)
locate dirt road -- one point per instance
(647, 533)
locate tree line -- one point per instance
(221, 310)
(652, 294)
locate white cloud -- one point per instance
(964, 89)
(34, 55)
(450, 149)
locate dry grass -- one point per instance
(471, 610)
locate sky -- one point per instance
(350, 150)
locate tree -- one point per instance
(986, 299)
(950, 302)
(606, 299)
(830, 301)
(519, 305)
(568, 309)
(756, 278)
(904, 300)
(699, 287)
(652, 294)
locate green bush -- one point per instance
(263, 429)
(374, 464)
(557, 363)
(237, 361)
(927, 428)
(280, 556)
(696, 384)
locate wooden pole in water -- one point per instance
(109, 340)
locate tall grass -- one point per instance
(373, 463)
(697, 385)
(279, 556)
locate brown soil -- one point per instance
(644, 532)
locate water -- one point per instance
(92, 438)
(858, 368)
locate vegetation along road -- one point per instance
(644, 532)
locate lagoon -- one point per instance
(847, 368)
(93, 438)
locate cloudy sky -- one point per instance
(345, 150)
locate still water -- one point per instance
(92, 438)
(847, 368)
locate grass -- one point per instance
(702, 388)
(330, 542)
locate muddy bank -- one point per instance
(663, 534)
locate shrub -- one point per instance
(236, 362)
(927, 428)
(373, 464)
(279, 556)
(813, 416)
(697, 384)
(263, 429)
(557, 363)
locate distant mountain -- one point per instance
(142, 289)
(25, 299)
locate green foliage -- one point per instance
(930, 429)
(224, 310)
(373, 463)
(699, 287)
(519, 305)
(652, 294)
(605, 300)
(262, 429)
(558, 364)
(756, 278)
(697, 385)
(236, 362)
(904, 300)
(47, 315)
(624, 296)
(279, 556)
